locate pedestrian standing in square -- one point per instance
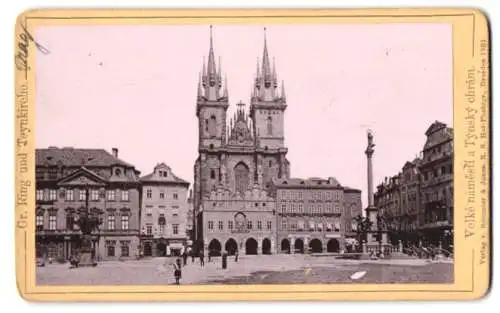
(202, 259)
(184, 257)
(177, 271)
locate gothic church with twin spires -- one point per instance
(239, 156)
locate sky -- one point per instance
(134, 88)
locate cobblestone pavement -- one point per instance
(249, 269)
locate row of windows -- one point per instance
(149, 210)
(230, 225)
(81, 195)
(256, 204)
(310, 195)
(162, 194)
(161, 229)
(163, 173)
(437, 172)
(124, 247)
(70, 222)
(311, 226)
(315, 209)
(441, 194)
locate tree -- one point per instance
(363, 226)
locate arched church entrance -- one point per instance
(214, 247)
(333, 245)
(266, 246)
(251, 246)
(231, 246)
(299, 245)
(285, 246)
(316, 246)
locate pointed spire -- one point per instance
(204, 71)
(211, 58)
(219, 74)
(200, 90)
(283, 96)
(225, 86)
(266, 66)
(275, 76)
(258, 69)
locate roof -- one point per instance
(315, 182)
(76, 157)
(171, 178)
(437, 125)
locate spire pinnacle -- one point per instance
(220, 71)
(225, 86)
(200, 91)
(211, 58)
(258, 68)
(204, 67)
(283, 96)
(266, 67)
(275, 77)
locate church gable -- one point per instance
(241, 131)
(82, 177)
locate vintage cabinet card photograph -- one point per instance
(203, 155)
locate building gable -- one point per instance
(82, 177)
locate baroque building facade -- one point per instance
(69, 181)
(437, 185)
(237, 162)
(418, 201)
(314, 215)
(164, 214)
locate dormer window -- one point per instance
(118, 172)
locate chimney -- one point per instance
(115, 152)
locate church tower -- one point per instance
(268, 104)
(212, 103)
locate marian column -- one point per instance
(369, 154)
(371, 210)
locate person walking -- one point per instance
(202, 259)
(184, 257)
(209, 256)
(224, 260)
(192, 256)
(177, 271)
(236, 256)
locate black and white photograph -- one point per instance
(240, 154)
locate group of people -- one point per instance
(182, 261)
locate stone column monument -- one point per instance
(372, 243)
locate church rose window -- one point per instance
(241, 175)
